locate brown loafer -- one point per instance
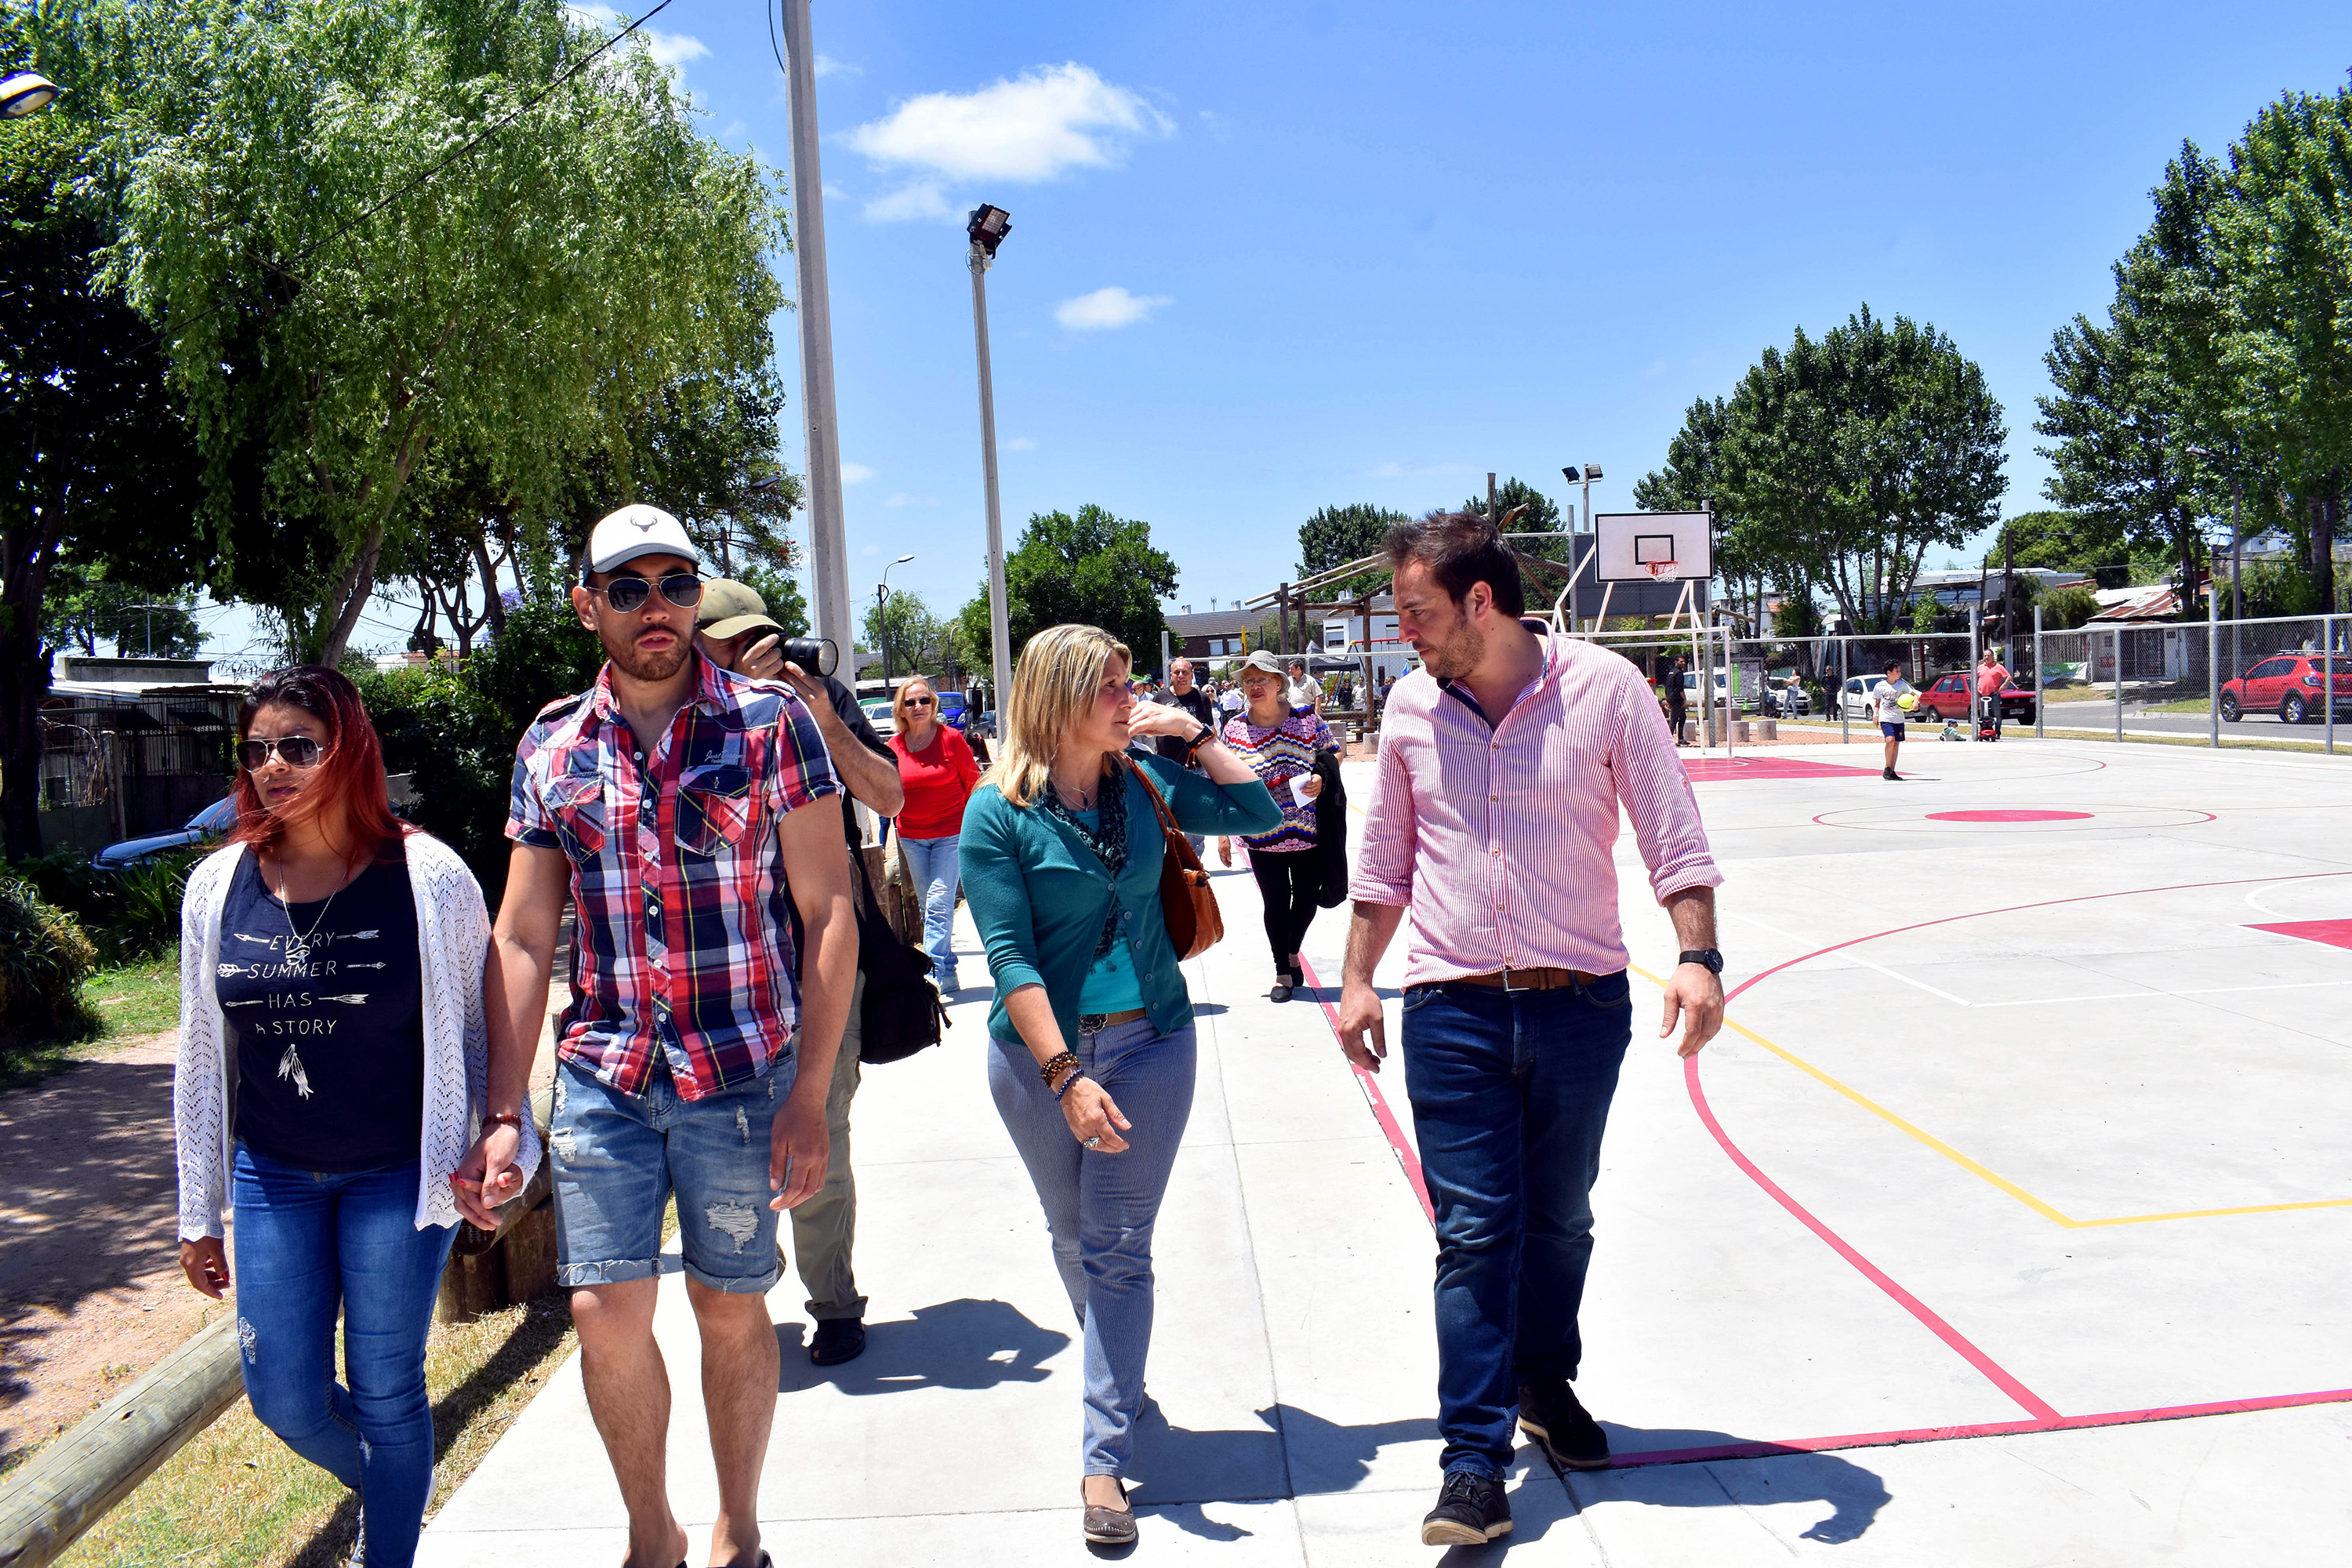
(1111, 1526)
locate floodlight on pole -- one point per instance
(27, 93)
(1585, 476)
(987, 230)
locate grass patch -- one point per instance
(140, 997)
(237, 1497)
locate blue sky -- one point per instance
(1368, 252)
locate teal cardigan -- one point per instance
(1039, 895)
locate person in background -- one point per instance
(1280, 742)
(1229, 700)
(1305, 691)
(1677, 695)
(734, 631)
(936, 770)
(1886, 702)
(1183, 694)
(1494, 806)
(335, 1062)
(677, 807)
(1092, 1052)
(1992, 678)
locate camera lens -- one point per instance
(814, 654)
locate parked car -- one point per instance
(951, 709)
(1954, 697)
(2288, 684)
(1861, 696)
(1787, 700)
(877, 714)
(207, 826)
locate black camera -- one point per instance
(817, 655)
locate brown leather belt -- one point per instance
(1527, 979)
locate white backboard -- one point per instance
(1654, 546)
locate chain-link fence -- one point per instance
(2269, 680)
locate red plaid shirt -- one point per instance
(684, 933)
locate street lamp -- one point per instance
(1592, 471)
(987, 230)
(882, 618)
(26, 92)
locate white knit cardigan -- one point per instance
(453, 936)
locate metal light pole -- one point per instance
(882, 618)
(988, 227)
(828, 544)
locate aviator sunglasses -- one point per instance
(683, 589)
(294, 751)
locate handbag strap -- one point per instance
(1167, 818)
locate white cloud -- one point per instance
(924, 198)
(855, 473)
(1018, 443)
(1112, 306)
(827, 66)
(900, 497)
(1053, 119)
(668, 49)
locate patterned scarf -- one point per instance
(1108, 838)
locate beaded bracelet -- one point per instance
(1066, 1082)
(1055, 1065)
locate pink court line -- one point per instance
(1398, 1145)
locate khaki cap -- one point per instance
(729, 609)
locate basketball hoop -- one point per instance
(1657, 569)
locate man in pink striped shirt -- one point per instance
(1494, 806)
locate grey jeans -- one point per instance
(825, 1229)
(1101, 1208)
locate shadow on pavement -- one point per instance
(967, 1343)
(1854, 1494)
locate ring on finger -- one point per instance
(1095, 1141)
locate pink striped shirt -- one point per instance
(1498, 842)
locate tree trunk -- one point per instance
(24, 681)
(492, 605)
(358, 585)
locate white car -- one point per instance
(1787, 700)
(877, 714)
(1860, 698)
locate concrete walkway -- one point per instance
(1731, 1304)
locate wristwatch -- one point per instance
(1208, 733)
(1707, 957)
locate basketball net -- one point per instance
(1657, 568)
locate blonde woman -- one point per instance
(936, 769)
(1092, 1058)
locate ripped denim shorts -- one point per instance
(618, 1157)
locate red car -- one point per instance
(1954, 697)
(2287, 684)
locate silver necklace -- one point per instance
(1085, 800)
(298, 942)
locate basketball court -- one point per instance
(2007, 1222)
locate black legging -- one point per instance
(1285, 881)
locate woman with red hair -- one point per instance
(334, 1090)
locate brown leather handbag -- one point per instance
(1187, 902)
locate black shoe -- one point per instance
(1282, 983)
(1550, 1413)
(1471, 1511)
(1892, 776)
(837, 1340)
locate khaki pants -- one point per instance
(825, 1227)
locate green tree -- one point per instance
(903, 627)
(2064, 541)
(1848, 457)
(1093, 568)
(1336, 535)
(473, 271)
(100, 471)
(83, 608)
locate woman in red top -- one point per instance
(936, 766)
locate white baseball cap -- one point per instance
(633, 531)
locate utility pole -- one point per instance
(828, 543)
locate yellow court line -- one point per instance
(1993, 1178)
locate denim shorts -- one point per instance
(618, 1157)
(1892, 731)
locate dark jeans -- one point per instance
(1285, 883)
(312, 1242)
(1510, 1093)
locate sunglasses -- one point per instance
(683, 589)
(294, 751)
(918, 702)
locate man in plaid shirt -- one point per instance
(665, 804)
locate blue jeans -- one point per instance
(1510, 1094)
(618, 1158)
(932, 863)
(1101, 1208)
(307, 1244)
